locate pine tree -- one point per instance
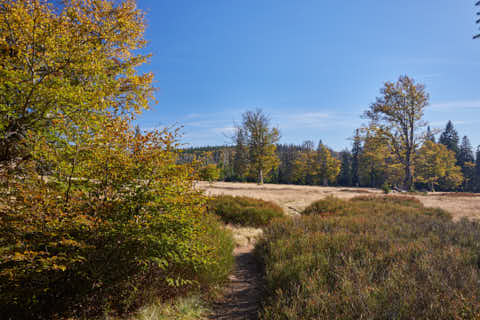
(477, 170)
(429, 135)
(356, 150)
(465, 152)
(240, 159)
(466, 160)
(449, 138)
(345, 177)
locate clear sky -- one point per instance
(313, 65)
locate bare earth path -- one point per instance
(242, 296)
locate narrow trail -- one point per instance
(241, 300)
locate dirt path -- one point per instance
(242, 296)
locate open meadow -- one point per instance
(293, 199)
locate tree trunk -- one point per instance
(432, 187)
(260, 176)
(408, 174)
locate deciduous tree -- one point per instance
(397, 116)
(436, 164)
(64, 64)
(261, 141)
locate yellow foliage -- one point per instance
(436, 163)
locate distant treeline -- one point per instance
(449, 164)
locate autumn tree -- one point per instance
(317, 167)
(372, 161)
(397, 116)
(328, 166)
(449, 138)
(67, 64)
(437, 164)
(116, 212)
(260, 141)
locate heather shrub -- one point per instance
(395, 200)
(378, 260)
(244, 211)
(329, 205)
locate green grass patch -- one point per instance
(376, 258)
(184, 308)
(244, 211)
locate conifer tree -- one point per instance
(465, 152)
(477, 170)
(356, 150)
(449, 138)
(466, 160)
(240, 159)
(345, 177)
(429, 135)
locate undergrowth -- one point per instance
(244, 211)
(371, 258)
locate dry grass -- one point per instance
(294, 199)
(245, 236)
(371, 258)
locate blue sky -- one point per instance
(314, 66)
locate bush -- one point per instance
(244, 211)
(386, 188)
(329, 205)
(379, 260)
(394, 200)
(209, 172)
(109, 240)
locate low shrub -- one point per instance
(244, 211)
(329, 205)
(379, 260)
(386, 188)
(394, 200)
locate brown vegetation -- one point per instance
(371, 258)
(294, 199)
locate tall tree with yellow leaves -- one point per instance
(260, 140)
(64, 67)
(397, 116)
(317, 167)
